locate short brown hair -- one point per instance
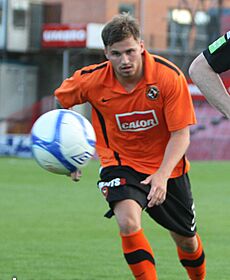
(121, 26)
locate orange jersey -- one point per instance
(133, 128)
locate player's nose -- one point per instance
(124, 58)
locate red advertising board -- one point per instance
(64, 35)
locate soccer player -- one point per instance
(205, 70)
(141, 113)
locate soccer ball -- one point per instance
(62, 141)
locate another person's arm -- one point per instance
(205, 70)
(210, 84)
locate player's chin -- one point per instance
(127, 74)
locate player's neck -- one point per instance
(129, 83)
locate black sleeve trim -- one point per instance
(94, 69)
(157, 59)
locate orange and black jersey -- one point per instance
(133, 128)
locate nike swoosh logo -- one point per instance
(105, 100)
(193, 227)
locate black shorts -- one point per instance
(176, 214)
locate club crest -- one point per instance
(152, 92)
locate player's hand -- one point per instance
(76, 175)
(157, 194)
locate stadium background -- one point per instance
(30, 68)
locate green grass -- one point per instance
(53, 229)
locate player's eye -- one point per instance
(130, 52)
(117, 54)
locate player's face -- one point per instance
(126, 58)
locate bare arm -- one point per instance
(176, 148)
(210, 84)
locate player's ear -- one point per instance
(142, 46)
(106, 52)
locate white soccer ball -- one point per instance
(62, 141)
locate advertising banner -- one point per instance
(16, 145)
(64, 35)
